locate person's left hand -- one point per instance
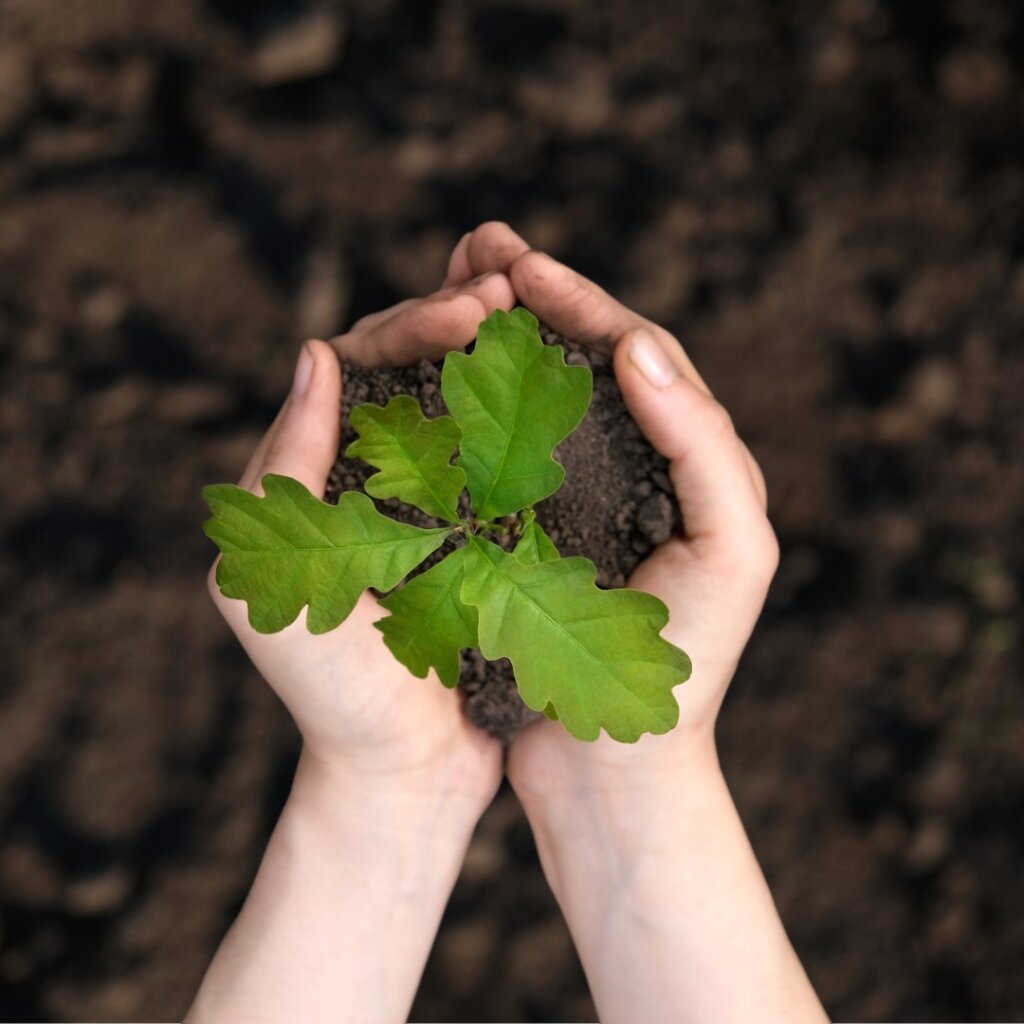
(360, 712)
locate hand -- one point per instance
(713, 578)
(392, 777)
(641, 843)
(359, 711)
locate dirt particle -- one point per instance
(661, 480)
(28, 874)
(929, 845)
(15, 87)
(940, 784)
(975, 77)
(654, 518)
(104, 309)
(835, 61)
(101, 893)
(302, 49)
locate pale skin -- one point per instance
(641, 843)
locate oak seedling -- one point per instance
(588, 657)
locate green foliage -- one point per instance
(288, 550)
(594, 655)
(590, 658)
(515, 399)
(412, 454)
(534, 544)
(429, 624)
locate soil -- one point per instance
(613, 508)
(824, 201)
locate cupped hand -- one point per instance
(713, 577)
(359, 711)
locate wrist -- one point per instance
(345, 905)
(617, 857)
(607, 815)
(367, 809)
(659, 885)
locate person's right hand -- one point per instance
(641, 842)
(713, 577)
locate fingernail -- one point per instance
(303, 372)
(647, 355)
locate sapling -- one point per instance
(588, 657)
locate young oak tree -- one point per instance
(588, 657)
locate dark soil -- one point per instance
(824, 200)
(613, 508)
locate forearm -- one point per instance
(669, 910)
(344, 908)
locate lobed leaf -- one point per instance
(288, 549)
(514, 399)
(429, 624)
(592, 657)
(534, 544)
(412, 453)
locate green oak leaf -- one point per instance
(412, 453)
(515, 399)
(594, 655)
(534, 544)
(287, 550)
(428, 624)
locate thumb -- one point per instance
(303, 443)
(724, 522)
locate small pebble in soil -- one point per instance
(654, 518)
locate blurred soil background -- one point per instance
(825, 200)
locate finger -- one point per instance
(428, 328)
(722, 513)
(459, 270)
(580, 310)
(301, 443)
(373, 319)
(494, 246)
(304, 443)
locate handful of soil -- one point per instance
(615, 506)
